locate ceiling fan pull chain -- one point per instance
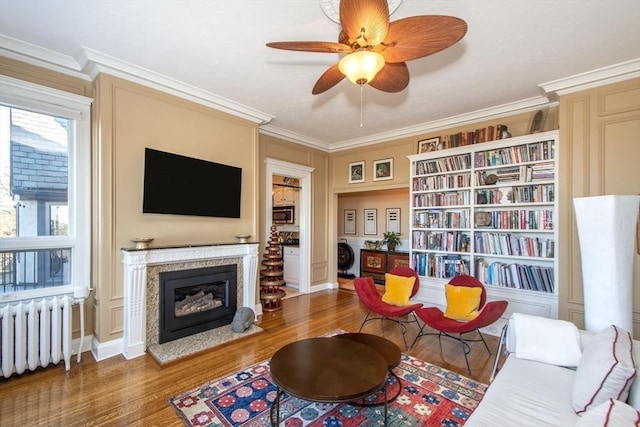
(361, 96)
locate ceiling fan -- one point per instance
(377, 50)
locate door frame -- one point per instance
(303, 174)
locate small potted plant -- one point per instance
(391, 239)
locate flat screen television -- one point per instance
(180, 185)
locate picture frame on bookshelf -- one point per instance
(349, 221)
(427, 145)
(356, 172)
(537, 121)
(370, 222)
(383, 169)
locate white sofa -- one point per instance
(527, 393)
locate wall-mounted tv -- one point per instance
(180, 185)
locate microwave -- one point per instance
(284, 214)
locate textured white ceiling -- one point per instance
(218, 48)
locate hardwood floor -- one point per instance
(119, 392)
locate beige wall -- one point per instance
(599, 155)
(129, 117)
(278, 149)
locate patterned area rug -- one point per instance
(430, 396)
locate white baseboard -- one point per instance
(107, 349)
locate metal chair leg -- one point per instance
(464, 351)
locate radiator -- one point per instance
(35, 333)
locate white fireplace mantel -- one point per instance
(135, 282)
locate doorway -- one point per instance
(303, 176)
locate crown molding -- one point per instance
(297, 138)
(40, 57)
(602, 76)
(492, 113)
(87, 63)
(93, 63)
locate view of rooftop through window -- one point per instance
(33, 197)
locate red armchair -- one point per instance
(489, 312)
(378, 309)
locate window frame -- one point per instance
(23, 95)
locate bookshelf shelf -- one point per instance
(489, 210)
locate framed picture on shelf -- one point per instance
(427, 145)
(356, 172)
(393, 220)
(383, 169)
(371, 221)
(537, 121)
(349, 221)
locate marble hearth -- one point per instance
(141, 290)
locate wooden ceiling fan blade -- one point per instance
(322, 47)
(392, 78)
(418, 36)
(329, 79)
(372, 15)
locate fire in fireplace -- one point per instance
(196, 300)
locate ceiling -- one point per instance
(515, 56)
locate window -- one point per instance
(44, 191)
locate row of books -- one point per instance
(519, 154)
(456, 198)
(441, 182)
(490, 133)
(445, 164)
(441, 219)
(540, 193)
(509, 244)
(449, 241)
(517, 276)
(517, 174)
(521, 219)
(440, 266)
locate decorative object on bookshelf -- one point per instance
(356, 172)
(482, 219)
(491, 179)
(391, 240)
(427, 145)
(383, 169)
(537, 121)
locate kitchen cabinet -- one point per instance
(291, 258)
(283, 196)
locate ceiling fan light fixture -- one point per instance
(361, 66)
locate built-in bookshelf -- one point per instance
(489, 210)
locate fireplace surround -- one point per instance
(141, 284)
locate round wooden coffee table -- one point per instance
(329, 370)
(391, 353)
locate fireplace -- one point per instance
(142, 268)
(196, 300)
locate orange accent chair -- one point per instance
(489, 312)
(378, 309)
